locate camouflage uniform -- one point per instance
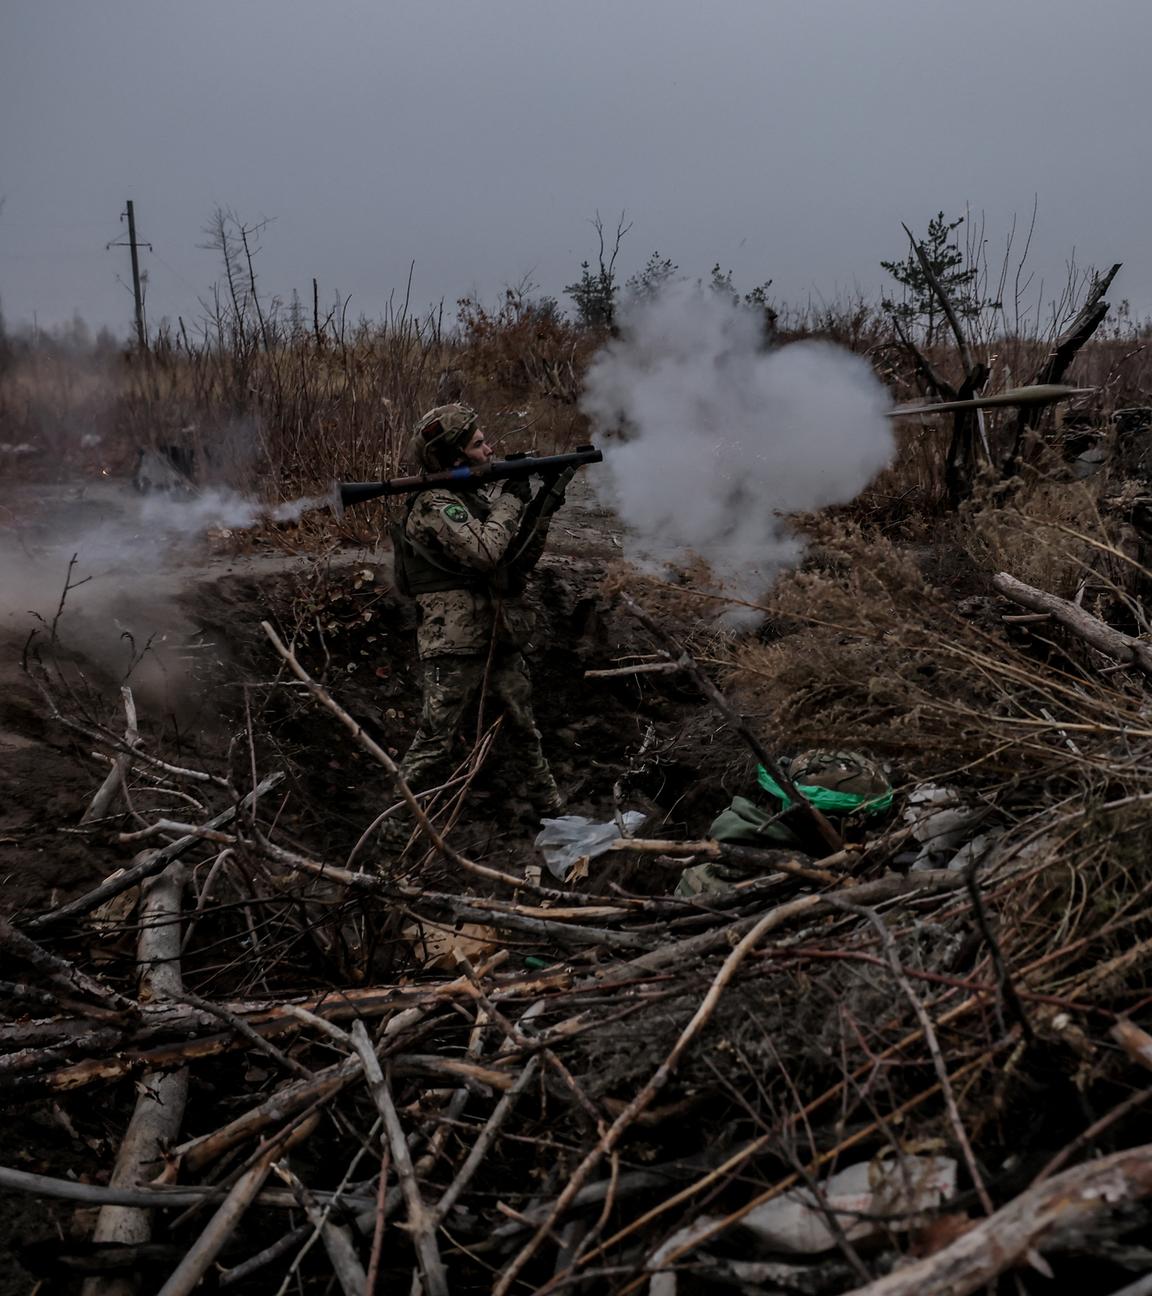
(857, 783)
(466, 632)
(472, 634)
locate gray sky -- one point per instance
(785, 139)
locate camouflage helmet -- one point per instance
(440, 437)
(835, 782)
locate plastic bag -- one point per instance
(564, 842)
(942, 823)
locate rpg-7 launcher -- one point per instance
(517, 465)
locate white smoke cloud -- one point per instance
(723, 438)
(136, 557)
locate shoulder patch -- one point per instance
(455, 512)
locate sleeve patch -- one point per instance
(456, 513)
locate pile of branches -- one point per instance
(587, 1092)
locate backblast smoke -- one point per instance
(133, 555)
(720, 438)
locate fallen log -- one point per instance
(161, 1096)
(1120, 647)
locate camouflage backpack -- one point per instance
(840, 784)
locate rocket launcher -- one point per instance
(518, 465)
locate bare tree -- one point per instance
(594, 293)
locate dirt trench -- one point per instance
(206, 676)
(206, 671)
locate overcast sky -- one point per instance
(786, 139)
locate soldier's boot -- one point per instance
(542, 794)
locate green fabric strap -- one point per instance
(825, 799)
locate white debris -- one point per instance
(797, 1221)
(944, 823)
(565, 841)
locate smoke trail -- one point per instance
(723, 438)
(134, 557)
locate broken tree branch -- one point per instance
(421, 1221)
(59, 971)
(1058, 361)
(1112, 643)
(1066, 1203)
(378, 754)
(221, 1226)
(121, 763)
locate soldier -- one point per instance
(463, 552)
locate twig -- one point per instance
(483, 1143)
(642, 1100)
(770, 861)
(150, 863)
(859, 1136)
(931, 1040)
(337, 1241)
(377, 1251)
(311, 1232)
(378, 754)
(1003, 976)
(221, 1226)
(679, 953)
(420, 1220)
(262, 1259)
(644, 668)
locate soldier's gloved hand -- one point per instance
(519, 488)
(557, 487)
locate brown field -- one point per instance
(638, 1075)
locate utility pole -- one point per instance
(136, 276)
(138, 297)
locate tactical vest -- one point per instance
(417, 570)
